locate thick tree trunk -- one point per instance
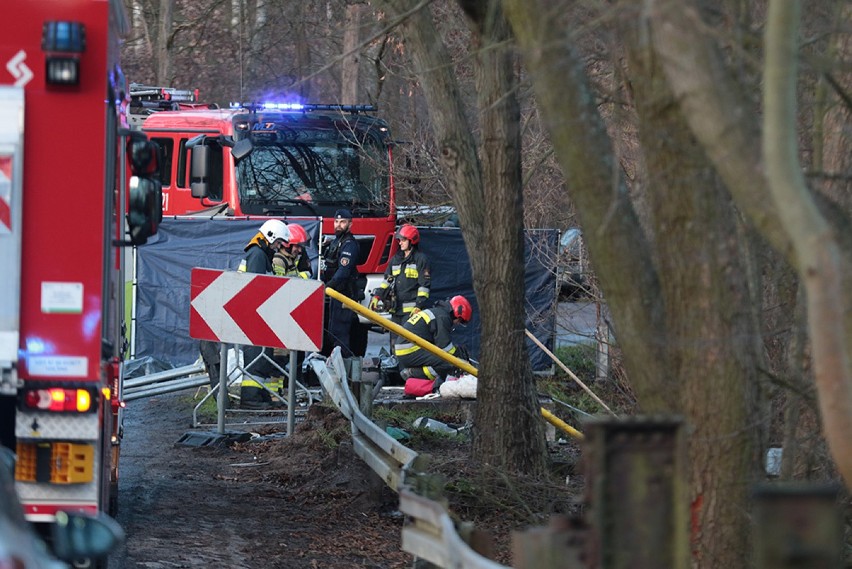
(618, 248)
(509, 434)
(714, 344)
(513, 439)
(691, 320)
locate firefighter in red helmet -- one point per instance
(260, 362)
(405, 288)
(434, 325)
(290, 260)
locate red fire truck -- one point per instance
(76, 187)
(284, 160)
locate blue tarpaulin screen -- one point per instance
(164, 265)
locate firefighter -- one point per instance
(434, 325)
(405, 288)
(271, 237)
(341, 274)
(289, 260)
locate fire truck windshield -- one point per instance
(291, 175)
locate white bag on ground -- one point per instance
(461, 388)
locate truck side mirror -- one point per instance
(199, 171)
(145, 206)
(241, 149)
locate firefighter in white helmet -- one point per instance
(263, 246)
(260, 251)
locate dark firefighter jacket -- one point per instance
(258, 257)
(410, 279)
(434, 325)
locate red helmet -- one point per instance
(408, 232)
(461, 308)
(298, 235)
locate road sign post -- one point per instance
(259, 310)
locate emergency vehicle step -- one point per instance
(56, 463)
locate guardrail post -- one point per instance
(559, 545)
(797, 525)
(636, 493)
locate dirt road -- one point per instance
(305, 502)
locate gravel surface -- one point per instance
(274, 502)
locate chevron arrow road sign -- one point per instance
(257, 310)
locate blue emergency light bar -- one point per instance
(273, 106)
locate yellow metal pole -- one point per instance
(459, 363)
(397, 329)
(557, 422)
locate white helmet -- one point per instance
(275, 229)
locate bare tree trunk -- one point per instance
(820, 260)
(138, 23)
(350, 61)
(699, 334)
(714, 342)
(610, 224)
(164, 38)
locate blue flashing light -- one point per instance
(270, 106)
(283, 106)
(66, 37)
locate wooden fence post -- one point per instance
(559, 545)
(797, 526)
(636, 493)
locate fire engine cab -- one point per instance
(76, 188)
(280, 159)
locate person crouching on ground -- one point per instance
(434, 325)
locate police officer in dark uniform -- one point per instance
(341, 274)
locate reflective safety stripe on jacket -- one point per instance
(411, 279)
(286, 266)
(258, 257)
(420, 324)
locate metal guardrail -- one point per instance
(429, 532)
(385, 455)
(432, 535)
(167, 381)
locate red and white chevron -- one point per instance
(258, 310)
